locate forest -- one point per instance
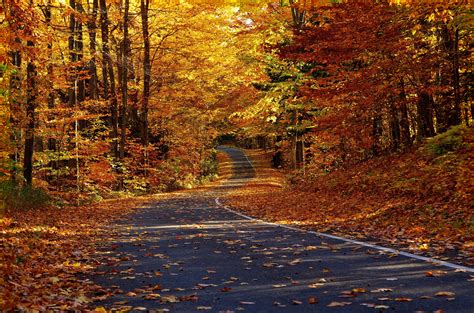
(364, 108)
(133, 96)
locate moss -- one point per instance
(449, 141)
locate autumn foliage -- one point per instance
(419, 199)
(365, 106)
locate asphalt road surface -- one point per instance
(189, 254)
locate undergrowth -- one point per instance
(17, 197)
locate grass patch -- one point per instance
(450, 141)
(16, 197)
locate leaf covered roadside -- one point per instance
(43, 253)
(421, 199)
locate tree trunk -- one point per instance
(455, 115)
(394, 127)
(15, 97)
(31, 94)
(79, 46)
(144, 4)
(48, 16)
(425, 115)
(108, 77)
(123, 80)
(298, 16)
(376, 134)
(92, 27)
(72, 53)
(404, 121)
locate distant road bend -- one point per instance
(188, 253)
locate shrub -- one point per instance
(18, 197)
(451, 140)
(209, 166)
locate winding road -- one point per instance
(188, 253)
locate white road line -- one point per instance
(360, 243)
(250, 162)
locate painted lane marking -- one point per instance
(356, 242)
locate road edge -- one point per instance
(436, 262)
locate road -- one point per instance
(187, 253)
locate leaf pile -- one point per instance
(44, 251)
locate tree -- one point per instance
(31, 95)
(124, 50)
(144, 8)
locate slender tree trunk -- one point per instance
(448, 113)
(376, 134)
(92, 27)
(104, 30)
(144, 5)
(455, 116)
(404, 121)
(30, 113)
(15, 87)
(298, 16)
(48, 16)
(79, 46)
(394, 127)
(108, 77)
(124, 78)
(72, 54)
(425, 115)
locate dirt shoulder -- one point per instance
(419, 201)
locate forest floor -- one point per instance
(420, 200)
(43, 250)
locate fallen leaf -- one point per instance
(403, 299)
(152, 296)
(382, 290)
(445, 294)
(295, 261)
(338, 304)
(278, 285)
(169, 299)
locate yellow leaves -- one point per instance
(431, 17)
(423, 247)
(448, 294)
(75, 265)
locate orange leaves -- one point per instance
(42, 251)
(392, 198)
